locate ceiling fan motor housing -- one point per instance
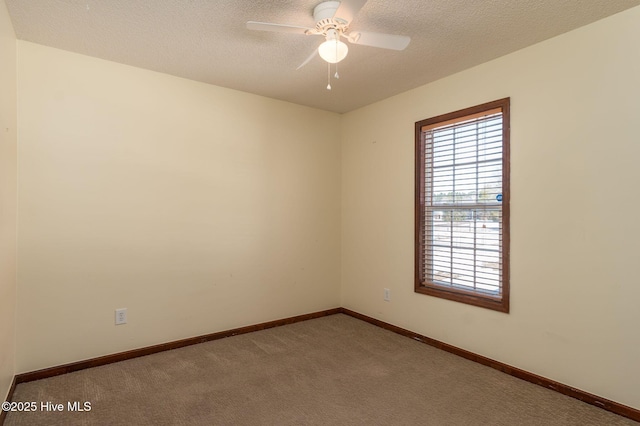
(323, 15)
(325, 10)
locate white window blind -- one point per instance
(462, 225)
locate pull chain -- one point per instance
(336, 74)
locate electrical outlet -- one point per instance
(121, 316)
(387, 295)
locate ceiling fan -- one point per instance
(332, 22)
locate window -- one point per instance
(462, 206)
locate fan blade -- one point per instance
(281, 28)
(385, 41)
(348, 9)
(306, 61)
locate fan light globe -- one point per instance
(333, 51)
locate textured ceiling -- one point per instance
(207, 40)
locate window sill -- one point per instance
(470, 298)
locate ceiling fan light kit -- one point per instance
(332, 21)
(333, 50)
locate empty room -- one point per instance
(305, 212)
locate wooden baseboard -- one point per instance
(587, 397)
(12, 388)
(135, 353)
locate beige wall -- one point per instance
(575, 238)
(196, 207)
(8, 228)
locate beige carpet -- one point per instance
(330, 371)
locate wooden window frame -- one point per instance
(423, 286)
